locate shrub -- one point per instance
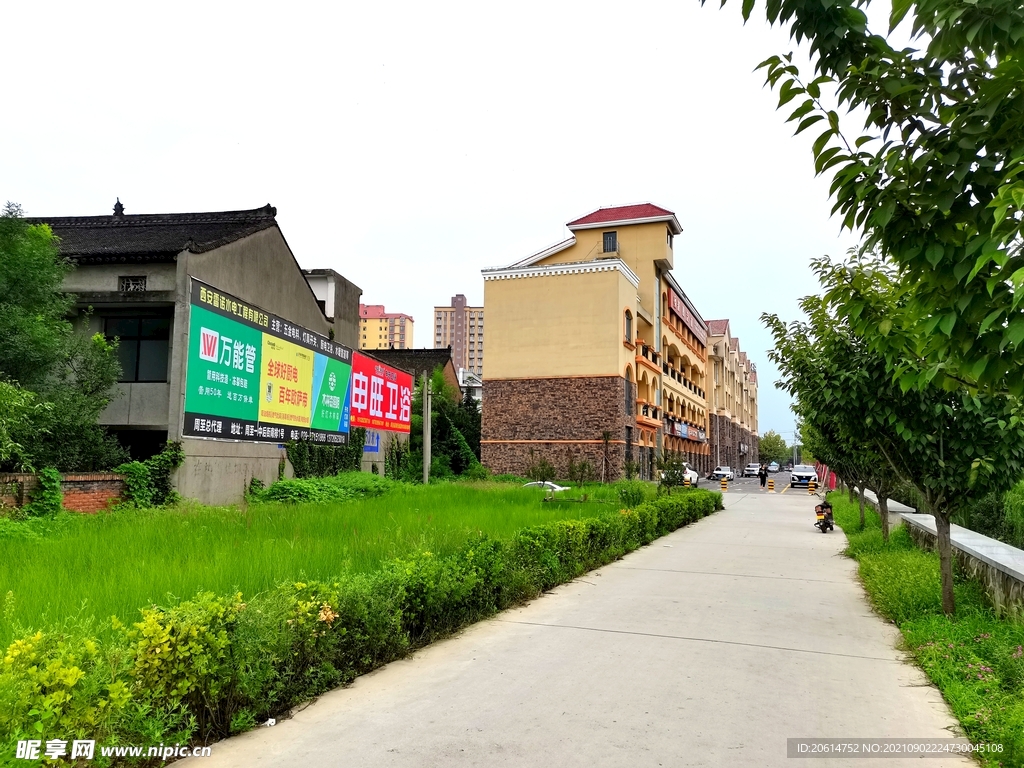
(477, 471)
(347, 485)
(631, 492)
(311, 459)
(1013, 511)
(540, 469)
(48, 498)
(148, 483)
(138, 487)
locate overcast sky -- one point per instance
(409, 145)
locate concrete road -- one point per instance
(708, 648)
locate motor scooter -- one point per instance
(824, 521)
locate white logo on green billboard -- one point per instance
(332, 381)
(209, 342)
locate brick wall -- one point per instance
(558, 419)
(90, 492)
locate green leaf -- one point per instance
(821, 141)
(807, 122)
(1015, 330)
(934, 254)
(989, 319)
(947, 323)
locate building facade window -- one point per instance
(611, 242)
(143, 346)
(629, 326)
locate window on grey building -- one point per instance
(611, 242)
(143, 346)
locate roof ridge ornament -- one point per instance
(118, 208)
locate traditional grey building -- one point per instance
(132, 281)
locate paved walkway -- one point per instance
(708, 648)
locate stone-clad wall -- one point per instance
(724, 438)
(558, 419)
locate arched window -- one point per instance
(629, 326)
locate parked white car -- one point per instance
(803, 474)
(547, 485)
(751, 470)
(690, 473)
(725, 472)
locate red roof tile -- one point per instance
(717, 327)
(623, 213)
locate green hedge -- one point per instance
(215, 665)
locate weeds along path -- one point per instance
(709, 647)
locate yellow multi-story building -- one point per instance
(732, 399)
(384, 330)
(595, 352)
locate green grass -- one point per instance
(976, 659)
(117, 563)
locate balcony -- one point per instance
(647, 357)
(648, 415)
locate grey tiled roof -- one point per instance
(414, 361)
(152, 236)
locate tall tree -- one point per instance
(69, 375)
(771, 447)
(934, 178)
(955, 446)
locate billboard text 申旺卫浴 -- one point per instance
(381, 396)
(254, 376)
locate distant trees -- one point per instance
(454, 432)
(771, 447)
(56, 382)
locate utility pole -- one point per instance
(426, 428)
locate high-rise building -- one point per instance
(462, 328)
(596, 352)
(732, 399)
(384, 330)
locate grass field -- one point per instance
(114, 564)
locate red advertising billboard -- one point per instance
(381, 396)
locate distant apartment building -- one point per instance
(461, 327)
(732, 400)
(596, 352)
(384, 330)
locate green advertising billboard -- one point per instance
(254, 376)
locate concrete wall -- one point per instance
(138, 404)
(347, 296)
(93, 278)
(556, 325)
(259, 269)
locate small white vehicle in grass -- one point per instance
(547, 485)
